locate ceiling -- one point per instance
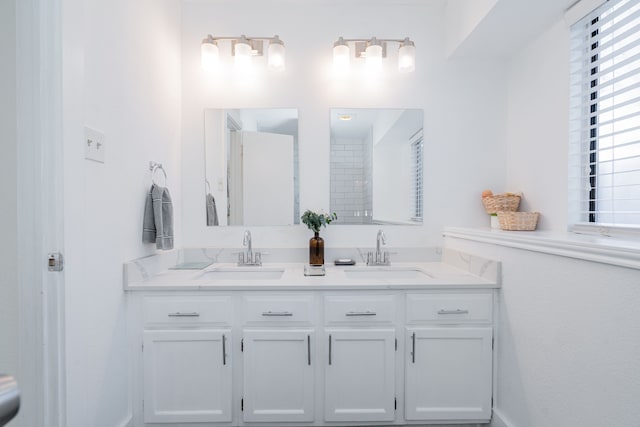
(509, 25)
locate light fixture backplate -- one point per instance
(257, 47)
(361, 49)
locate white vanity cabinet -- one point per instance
(448, 357)
(278, 345)
(187, 359)
(187, 376)
(360, 358)
(312, 356)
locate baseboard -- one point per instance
(127, 422)
(499, 420)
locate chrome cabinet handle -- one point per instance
(360, 313)
(309, 350)
(329, 349)
(456, 311)
(413, 348)
(224, 349)
(180, 314)
(277, 313)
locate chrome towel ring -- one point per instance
(154, 167)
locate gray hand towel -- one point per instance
(158, 218)
(212, 211)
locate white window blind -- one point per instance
(604, 156)
(417, 191)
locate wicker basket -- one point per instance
(518, 221)
(501, 203)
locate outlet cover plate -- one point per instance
(94, 145)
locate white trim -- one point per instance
(581, 9)
(606, 250)
(607, 230)
(499, 420)
(127, 422)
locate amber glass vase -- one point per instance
(316, 250)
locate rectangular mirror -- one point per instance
(377, 166)
(251, 166)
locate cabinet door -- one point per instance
(359, 375)
(278, 375)
(187, 376)
(448, 374)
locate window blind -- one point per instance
(604, 156)
(417, 191)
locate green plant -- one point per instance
(315, 220)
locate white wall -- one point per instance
(568, 332)
(462, 17)
(9, 303)
(538, 126)
(121, 76)
(464, 104)
(568, 340)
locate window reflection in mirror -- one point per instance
(377, 166)
(251, 166)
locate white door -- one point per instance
(267, 184)
(187, 376)
(448, 374)
(359, 375)
(278, 375)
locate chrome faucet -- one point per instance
(248, 258)
(379, 257)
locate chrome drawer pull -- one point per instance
(277, 313)
(360, 313)
(456, 311)
(179, 314)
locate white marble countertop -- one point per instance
(419, 275)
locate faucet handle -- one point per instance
(370, 258)
(241, 258)
(257, 258)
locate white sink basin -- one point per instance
(385, 273)
(244, 273)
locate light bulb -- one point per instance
(373, 58)
(407, 57)
(276, 54)
(209, 55)
(341, 62)
(242, 60)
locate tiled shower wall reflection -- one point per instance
(351, 186)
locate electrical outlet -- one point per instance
(94, 145)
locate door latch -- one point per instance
(55, 261)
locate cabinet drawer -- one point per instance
(180, 310)
(279, 308)
(359, 309)
(449, 308)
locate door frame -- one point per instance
(40, 224)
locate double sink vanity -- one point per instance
(408, 343)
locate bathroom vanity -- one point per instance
(410, 343)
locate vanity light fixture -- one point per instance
(243, 49)
(373, 50)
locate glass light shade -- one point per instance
(341, 62)
(276, 56)
(242, 60)
(407, 58)
(373, 58)
(209, 56)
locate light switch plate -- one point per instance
(94, 145)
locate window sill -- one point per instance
(607, 250)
